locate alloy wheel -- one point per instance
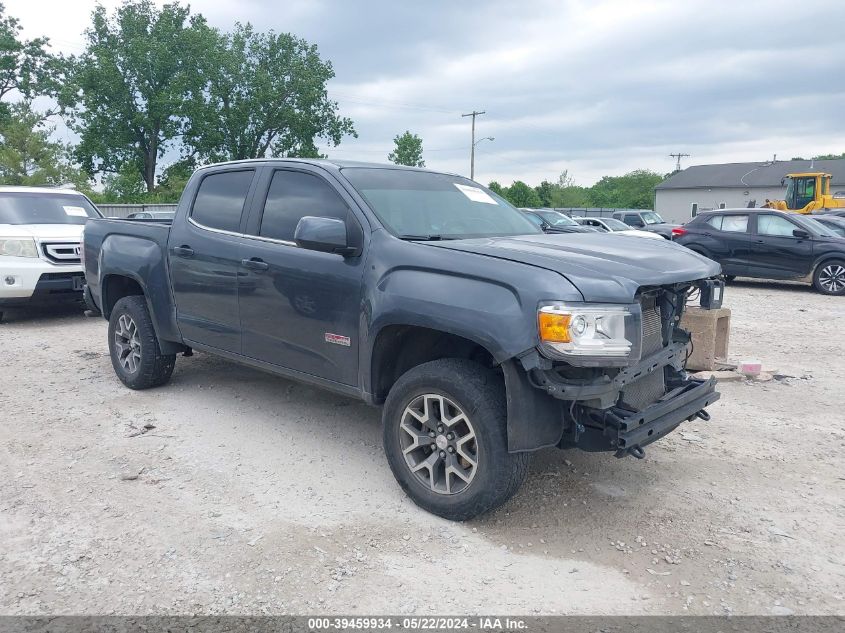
(439, 444)
(832, 278)
(127, 343)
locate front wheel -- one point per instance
(445, 437)
(829, 278)
(133, 346)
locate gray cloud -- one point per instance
(593, 87)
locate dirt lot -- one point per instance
(252, 494)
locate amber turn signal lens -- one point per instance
(554, 328)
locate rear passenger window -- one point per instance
(729, 223)
(220, 200)
(293, 195)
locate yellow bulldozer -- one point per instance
(806, 193)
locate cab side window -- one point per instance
(632, 219)
(220, 200)
(293, 195)
(770, 224)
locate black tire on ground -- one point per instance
(480, 394)
(729, 278)
(148, 367)
(829, 277)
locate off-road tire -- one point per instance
(153, 369)
(480, 394)
(827, 268)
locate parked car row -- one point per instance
(551, 221)
(771, 244)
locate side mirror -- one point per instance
(327, 235)
(801, 234)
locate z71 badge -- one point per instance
(337, 339)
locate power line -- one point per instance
(679, 156)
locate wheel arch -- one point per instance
(116, 286)
(399, 347)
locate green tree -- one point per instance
(496, 188)
(26, 68)
(545, 192)
(125, 186)
(266, 95)
(521, 195)
(173, 179)
(28, 156)
(128, 92)
(571, 196)
(408, 150)
(634, 190)
(829, 156)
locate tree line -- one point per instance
(634, 190)
(156, 80)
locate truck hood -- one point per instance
(44, 232)
(604, 268)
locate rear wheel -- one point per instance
(133, 346)
(445, 437)
(829, 278)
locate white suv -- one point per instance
(41, 245)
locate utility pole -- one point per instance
(473, 114)
(679, 156)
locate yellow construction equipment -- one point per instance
(808, 192)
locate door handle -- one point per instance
(255, 264)
(761, 241)
(183, 251)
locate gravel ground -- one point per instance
(233, 491)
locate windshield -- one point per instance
(45, 208)
(615, 225)
(534, 219)
(557, 219)
(650, 217)
(423, 204)
(824, 230)
(835, 227)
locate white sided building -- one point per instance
(733, 185)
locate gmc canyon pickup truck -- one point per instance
(483, 338)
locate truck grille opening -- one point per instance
(646, 390)
(62, 252)
(652, 325)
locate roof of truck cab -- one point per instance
(324, 162)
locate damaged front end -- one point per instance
(577, 403)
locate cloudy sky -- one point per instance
(596, 88)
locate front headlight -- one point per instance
(18, 247)
(590, 334)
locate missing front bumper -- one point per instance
(627, 431)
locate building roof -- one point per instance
(749, 175)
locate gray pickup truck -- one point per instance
(483, 338)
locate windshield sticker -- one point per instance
(475, 194)
(75, 211)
